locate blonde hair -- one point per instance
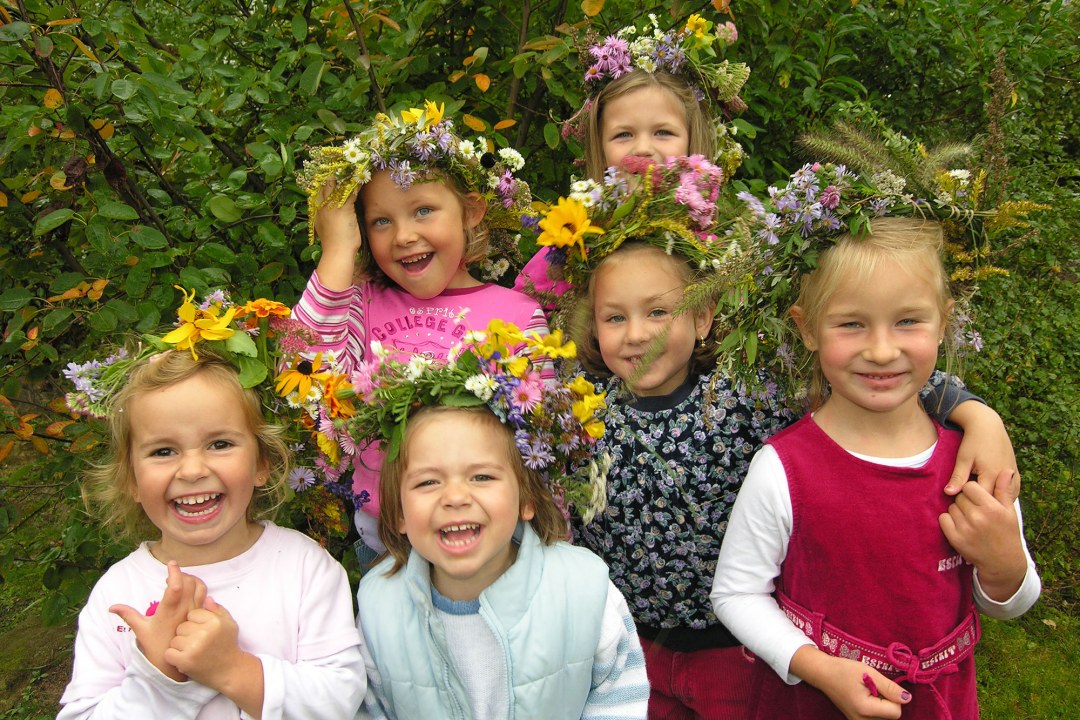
(548, 521)
(914, 243)
(583, 322)
(701, 132)
(109, 490)
(477, 242)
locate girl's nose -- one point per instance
(881, 348)
(636, 332)
(406, 235)
(456, 494)
(192, 467)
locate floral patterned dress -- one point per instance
(677, 463)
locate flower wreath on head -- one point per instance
(678, 206)
(689, 52)
(875, 177)
(420, 145)
(268, 349)
(554, 426)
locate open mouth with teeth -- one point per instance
(416, 263)
(197, 506)
(459, 536)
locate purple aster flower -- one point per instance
(301, 478)
(402, 173)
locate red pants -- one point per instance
(702, 685)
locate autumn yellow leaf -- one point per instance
(132, 260)
(56, 429)
(59, 405)
(503, 124)
(474, 123)
(58, 181)
(4, 14)
(3, 200)
(30, 197)
(541, 44)
(85, 50)
(32, 333)
(483, 82)
(53, 98)
(469, 60)
(104, 128)
(65, 21)
(34, 131)
(591, 7)
(456, 75)
(94, 293)
(25, 430)
(99, 284)
(386, 20)
(6, 449)
(40, 445)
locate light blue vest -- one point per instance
(545, 612)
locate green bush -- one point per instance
(148, 145)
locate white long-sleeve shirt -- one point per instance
(756, 543)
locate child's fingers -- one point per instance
(131, 617)
(886, 697)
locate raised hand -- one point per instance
(339, 235)
(154, 632)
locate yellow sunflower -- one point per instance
(566, 225)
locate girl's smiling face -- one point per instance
(460, 501)
(648, 122)
(417, 236)
(196, 465)
(636, 291)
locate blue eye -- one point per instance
(378, 222)
(425, 211)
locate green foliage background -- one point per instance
(151, 144)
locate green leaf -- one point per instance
(53, 220)
(270, 272)
(14, 298)
(551, 135)
(622, 211)
(309, 81)
(149, 238)
(299, 28)
(123, 89)
(273, 236)
(217, 254)
(252, 371)
(224, 209)
(241, 344)
(55, 318)
(117, 211)
(103, 321)
(14, 31)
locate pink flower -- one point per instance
(830, 197)
(528, 393)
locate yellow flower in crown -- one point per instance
(431, 114)
(697, 25)
(566, 225)
(264, 308)
(299, 377)
(552, 346)
(197, 324)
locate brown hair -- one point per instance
(913, 242)
(701, 132)
(477, 243)
(583, 321)
(109, 491)
(548, 521)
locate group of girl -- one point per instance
(843, 582)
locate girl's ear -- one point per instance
(808, 338)
(475, 209)
(703, 320)
(262, 472)
(528, 510)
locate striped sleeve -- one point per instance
(620, 686)
(336, 317)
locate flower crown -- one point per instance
(673, 206)
(822, 201)
(418, 146)
(257, 338)
(555, 425)
(689, 52)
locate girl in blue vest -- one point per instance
(480, 610)
(844, 567)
